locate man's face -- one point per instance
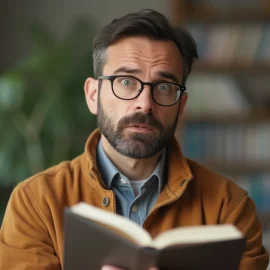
(139, 128)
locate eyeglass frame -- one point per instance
(152, 85)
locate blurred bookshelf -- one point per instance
(236, 69)
(226, 125)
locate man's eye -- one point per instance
(163, 87)
(126, 82)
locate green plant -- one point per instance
(43, 115)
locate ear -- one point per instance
(91, 94)
(183, 102)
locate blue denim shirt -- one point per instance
(134, 208)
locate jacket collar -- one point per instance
(179, 173)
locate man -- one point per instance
(132, 166)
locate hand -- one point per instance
(109, 267)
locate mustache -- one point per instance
(140, 118)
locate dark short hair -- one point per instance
(148, 23)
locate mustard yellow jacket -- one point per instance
(31, 235)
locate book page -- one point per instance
(197, 234)
(114, 222)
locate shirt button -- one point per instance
(134, 208)
(123, 181)
(105, 201)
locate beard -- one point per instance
(135, 144)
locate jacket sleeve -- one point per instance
(244, 216)
(25, 242)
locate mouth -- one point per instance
(140, 128)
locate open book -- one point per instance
(94, 237)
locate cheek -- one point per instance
(107, 100)
(112, 107)
(167, 116)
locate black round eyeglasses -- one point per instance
(129, 87)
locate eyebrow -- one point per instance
(168, 75)
(163, 74)
(127, 70)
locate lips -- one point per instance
(141, 126)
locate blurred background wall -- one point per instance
(45, 54)
(58, 16)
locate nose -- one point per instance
(144, 102)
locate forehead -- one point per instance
(145, 54)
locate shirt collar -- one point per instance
(109, 171)
(105, 166)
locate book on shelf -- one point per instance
(95, 237)
(263, 54)
(244, 144)
(250, 38)
(228, 44)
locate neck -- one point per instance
(134, 169)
